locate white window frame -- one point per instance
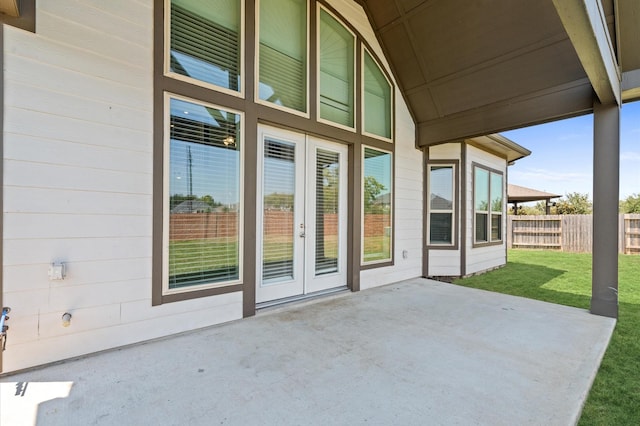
(362, 92)
(391, 207)
(452, 211)
(320, 7)
(489, 211)
(194, 81)
(306, 113)
(165, 199)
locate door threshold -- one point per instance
(300, 298)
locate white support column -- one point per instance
(606, 181)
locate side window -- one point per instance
(496, 206)
(442, 204)
(336, 79)
(377, 101)
(202, 196)
(283, 53)
(377, 206)
(205, 42)
(488, 191)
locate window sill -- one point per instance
(195, 294)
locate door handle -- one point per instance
(302, 235)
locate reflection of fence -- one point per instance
(195, 226)
(198, 226)
(570, 233)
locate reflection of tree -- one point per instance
(482, 205)
(372, 189)
(278, 201)
(206, 203)
(496, 205)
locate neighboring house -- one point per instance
(517, 194)
(193, 206)
(314, 123)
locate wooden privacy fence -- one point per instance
(570, 233)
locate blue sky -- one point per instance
(562, 155)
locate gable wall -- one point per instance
(408, 175)
(78, 185)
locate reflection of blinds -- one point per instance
(377, 99)
(208, 134)
(203, 49)
(203, 203)
(283, 52)
(278, 212)
(327, 206)
(336, 71)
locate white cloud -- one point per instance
(630, 156)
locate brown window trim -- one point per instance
(27, 18)
(456, 210)
(488, 243)
(255, 113)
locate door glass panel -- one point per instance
(278, 214)
(327, 205)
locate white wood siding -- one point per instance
(408, 207)
(408, 174)
(78, 185)
(483, 258)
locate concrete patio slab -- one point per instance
(415, 352)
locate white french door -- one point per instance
(302, 215)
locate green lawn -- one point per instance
(565, 278)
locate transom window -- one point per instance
(205, 43)
(488, 190)
(377, 101)
(283, 53)
(336, 83)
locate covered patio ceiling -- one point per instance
(469, 68)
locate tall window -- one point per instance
(377, 208)
(336, 79)
(377, 99)
(488, 192)
(203, 196)
(441, 185)
(283, 53)
(205, 42)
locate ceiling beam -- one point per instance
(586, 25)
(552, 104)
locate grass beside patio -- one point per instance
(565, 278)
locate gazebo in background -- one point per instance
(520, 194)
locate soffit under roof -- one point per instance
(500, 145)
(470, 68)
